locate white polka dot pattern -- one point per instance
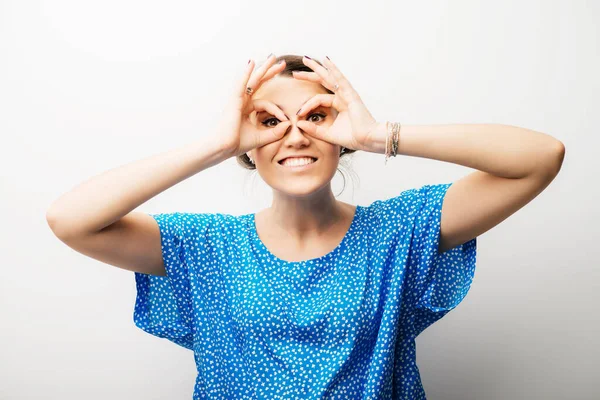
(340, 326)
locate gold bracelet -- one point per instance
(396, 138)
(387, 139)
(391, 140)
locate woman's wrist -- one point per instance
(377, 139)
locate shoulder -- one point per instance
(404, 211)
(409, 201)
(208, 225)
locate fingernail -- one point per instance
(328, 58)
(298, 112)
(270, 55)
(249, 61)
(308, 57)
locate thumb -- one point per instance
(274, 134)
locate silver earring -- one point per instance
(251, 160)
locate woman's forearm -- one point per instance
(502, 150)
(105, 198)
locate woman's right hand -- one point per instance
(239, 134)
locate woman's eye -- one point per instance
(267, 122)
(318, 115)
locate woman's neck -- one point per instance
(302, 218)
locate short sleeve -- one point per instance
(164, 304)
(438, 282)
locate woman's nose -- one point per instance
(294, 133)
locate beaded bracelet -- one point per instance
(391, 142)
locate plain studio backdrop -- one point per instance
(89, 86)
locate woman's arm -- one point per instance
(501, 150)
(514, 166)
(104, 199)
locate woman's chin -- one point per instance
(299, 187)
(301, 183)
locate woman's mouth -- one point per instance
(298, 163)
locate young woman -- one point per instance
(311, 297)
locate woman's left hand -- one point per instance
(354, 125)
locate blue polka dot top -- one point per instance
(341, 326)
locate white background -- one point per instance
(89, 86)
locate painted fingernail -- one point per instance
(298, 112)
(308, 57)
(249, 61)
(328, 58)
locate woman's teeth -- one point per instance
(297, 161)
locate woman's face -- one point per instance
(289, 94)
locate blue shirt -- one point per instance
(341, 326)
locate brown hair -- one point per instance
(292, 63)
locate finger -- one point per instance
(316, 67)
(271, 72)
(325, 100)
(265, 105)
(274, 70)
(315, 130)
(245, 77)
(327, 79)
(273, 134)
(307, 76)
(344, 84)
(314, 77)
(257, 76)
(335, 71)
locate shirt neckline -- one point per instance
(260, 246)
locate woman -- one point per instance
(311, 297)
